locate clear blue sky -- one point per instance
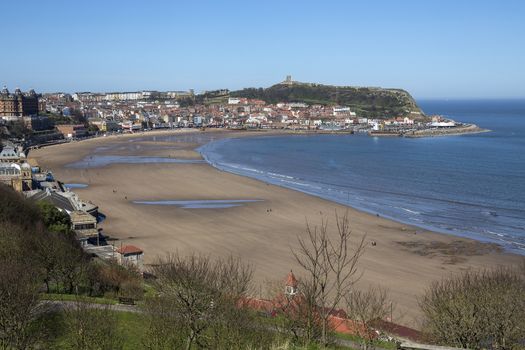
(434, 49)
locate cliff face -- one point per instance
(366, 101)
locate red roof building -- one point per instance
(129, 249)
(130, 255)
(292, 303)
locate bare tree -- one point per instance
(92, 327)
(165, 330)
(19, 304)
(330, 264)
(365, 308)
(477, 309)
(201, 301)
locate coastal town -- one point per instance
(51, 117)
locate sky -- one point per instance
(433, 49)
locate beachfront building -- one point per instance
(66, 201)
(105, 125)
(17, 176)
(12, 153)
(130, 255)
(84, 225)
(72, 131)
(293, 303)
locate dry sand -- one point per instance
(405, 259)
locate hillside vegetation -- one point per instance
(366, 101)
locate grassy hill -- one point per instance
(366, 101)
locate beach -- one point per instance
(262, 231)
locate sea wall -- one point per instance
(458, 130)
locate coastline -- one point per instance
(405, 259)
(218, 154)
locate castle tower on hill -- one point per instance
(288, 80)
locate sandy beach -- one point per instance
(405, 259)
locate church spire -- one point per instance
(290, 286)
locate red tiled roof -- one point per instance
(129, 249)
(257, 304)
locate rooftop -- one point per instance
(129, 249)
(79, 216)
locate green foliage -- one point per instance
(130, 329)
(54, 220)
(15, 210)
(36, 249)
(58, 119)
(92, 128)
(186, 102)
(370, 102)
(18, 129)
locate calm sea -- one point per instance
(470, 185)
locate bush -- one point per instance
(483, 309)
(54, 220)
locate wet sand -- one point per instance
(405, 259)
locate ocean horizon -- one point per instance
(470, 185)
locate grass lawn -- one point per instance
(73, 297)
(379, 344)
(132, 330)
(130, 325)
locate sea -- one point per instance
(469, 185)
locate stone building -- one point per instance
(11, 153)
(18, 104)
(18, 176)
(84, 225)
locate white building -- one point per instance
(12, 153)
(342, 112)
(408, 121)
(445, 124)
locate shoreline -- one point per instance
(405, 260)
(510, 247)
